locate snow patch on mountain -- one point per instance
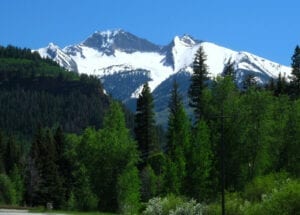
(99, 64)
(53, 51)
(120, 53)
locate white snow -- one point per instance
(94, 62)
(60, 56)
(182, 53)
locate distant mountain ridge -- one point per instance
(124, 62)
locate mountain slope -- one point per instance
(37, 92)
(124, 62)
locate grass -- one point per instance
(39, 210)
(80, 213)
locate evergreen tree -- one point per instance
(7, 191)
(63, 162)
(145, 124)
(280, 85)
(178, 140)
(249, 82)
(2, 152)
(44, 183)
(229, 70)
(198, 83)
(50, 187)
(33, 178)
(17, 181)
(12, 154)
(271, 86)
(295, 83)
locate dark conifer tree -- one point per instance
(249, 82)
(44, 183)
(271, 86)
(145, 123)
(63, 163)
(198, 82)
(178, 140)
(33, 178)
(50, 189)
(12, 154)
(280, 85)
(295, 83)
(229, 70)
(2, 152)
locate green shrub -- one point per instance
(189, 208)
(154, 207)
(173, 205)
(170, 202)
(262, 185)
(273, 194)
(285, 200)
(234, 205)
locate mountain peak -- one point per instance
(53, 46)
(189, 39)
(186, 40)
(110, 33)
(109, 41)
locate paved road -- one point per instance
(20, 212)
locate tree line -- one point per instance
(113, 168)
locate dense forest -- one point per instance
(63, 141)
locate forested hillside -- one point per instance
(36, 91)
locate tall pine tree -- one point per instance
(198, 83)
(229, 70)
(44, 184)
(178, 140)
(145, 124)
(295, 83)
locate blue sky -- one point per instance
(270, 29)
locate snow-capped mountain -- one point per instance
(124, 62)
(52, 51)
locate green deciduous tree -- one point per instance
(129, 186)
(256, 134)
(199, 164)
(82, 196)
(110, 155)
(289, 156)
